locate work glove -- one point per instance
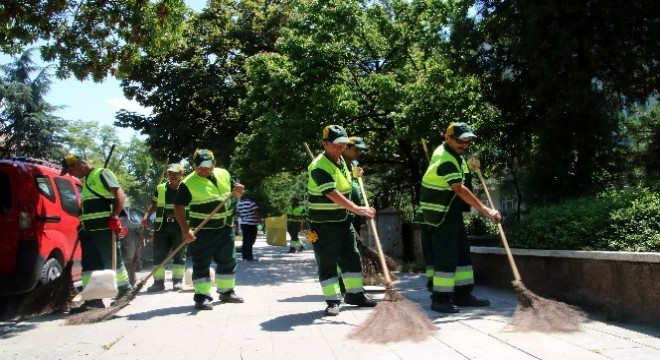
(114, 224)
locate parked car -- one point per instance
(39, 221)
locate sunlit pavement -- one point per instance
(282, 318)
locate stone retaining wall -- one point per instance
(621, 285)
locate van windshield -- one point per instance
(5, 193)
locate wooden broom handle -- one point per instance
(516, 274)
(426, 150)
(114, 251)
(309, 152)
(374, 231)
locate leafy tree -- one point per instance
(136, 171)
(378, 69)
(91, 37)
(559, 71)
(27, 124)
(195, 89)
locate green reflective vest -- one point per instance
(322, 209)
(206, 196)
(436, 194)
(295, 214)
(95, 210)
(163, 208)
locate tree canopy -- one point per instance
(543, 83)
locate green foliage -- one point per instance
(275, 192)
(195, 88)
(476, 224)
(27, 124)
(637, 226)
(91, 38)
(549, 68)
(614, 220)
(374, 67)
(137, 172)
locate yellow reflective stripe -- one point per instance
(464, 275)
(443, 281)
(353, 282)
(96, 215)
(159, 274)
(328, 206)
(122, 277)
(225, 282)
(326, 186)
(330, 289)
(433, 206)
(202, 286)
(178, 271)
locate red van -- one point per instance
(38, 224)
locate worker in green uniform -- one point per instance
(331, 212)
(202, 191)
(295, 215)
(102, 203)
(167, 233)
(445, 195)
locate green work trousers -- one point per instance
(167, 239)
(427, 249)
(97, 250)
(213, 245)
(293, 228)
(452, 264)
(336, 246)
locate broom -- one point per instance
(395, 318)
(369, 257)
(533, 312)
(96, 315)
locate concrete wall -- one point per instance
(622, 285)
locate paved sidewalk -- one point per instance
(283, 319)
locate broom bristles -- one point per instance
(98, 315)
(54, 296)
(394, 319)
(535, 313)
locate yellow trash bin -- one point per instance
(276, 230)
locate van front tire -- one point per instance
(52, 270)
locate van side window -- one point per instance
(46, 188)
(68, 196)
(5, 193)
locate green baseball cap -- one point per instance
(335, 134)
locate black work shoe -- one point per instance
(332, 309)
(359, 299)
(230, 297)
(88, 305)
(471, 301)
(205, 303)
(157, 286)
(300, 249)
(444, 307)
(291, 250)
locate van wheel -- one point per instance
(51, 271)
